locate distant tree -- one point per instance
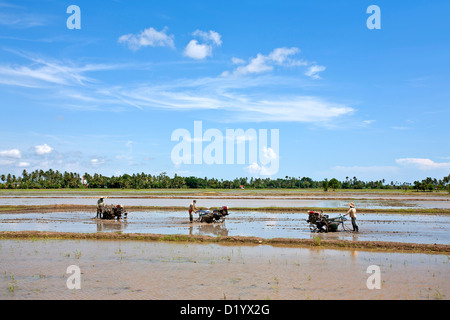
(334, 184)
(446, 182)
(325, 184)
(40, 179)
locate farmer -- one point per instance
(352, 213)
(100, 206)
(192, 208)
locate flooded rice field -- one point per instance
(35, 268)
(170, 271)
(373, 227)
(390, 203)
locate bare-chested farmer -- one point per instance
(192, 208)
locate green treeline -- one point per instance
(50, 179)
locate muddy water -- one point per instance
(218, 201)
(142, 270)
(373, 227)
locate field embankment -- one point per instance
(234, 240)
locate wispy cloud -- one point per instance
(40, 72)
(284, 57)
(314, 70)
(148, 37)
(11, 157)
(238, 99)
(22, 21)
(17, 17)
(12, 153)
(23, 164)
(423, 163)
(231, 97)
(400, 128)
(262, 63)
(7, 5)
(97, 162)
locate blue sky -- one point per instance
(346, 100)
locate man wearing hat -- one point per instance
(352, 213)
(192, 208)
(100, 206)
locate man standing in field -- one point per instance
(192, 208)
(100, 206)
(352, 213)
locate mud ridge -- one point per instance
(384, 246)
(93, 208)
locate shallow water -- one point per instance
(220, 201)
(171, 271)
(375, 227)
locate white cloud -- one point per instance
(256, 65)
(9, 157)
(313, 71)
(237, 60)
(197, 51)
(282, 56)
(423, 164)
(13, 153)
(258, 170)
(96, 162)
(210, 36)
(43, 149)
(269, 154)
(148, 37)
(200, 51)
(262, 63)
(24, 164)
(269, 166)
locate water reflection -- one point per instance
(373, 227)
(234, 202)
(110, 225)
(338, 235)
(215, 229)
(354, 255)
